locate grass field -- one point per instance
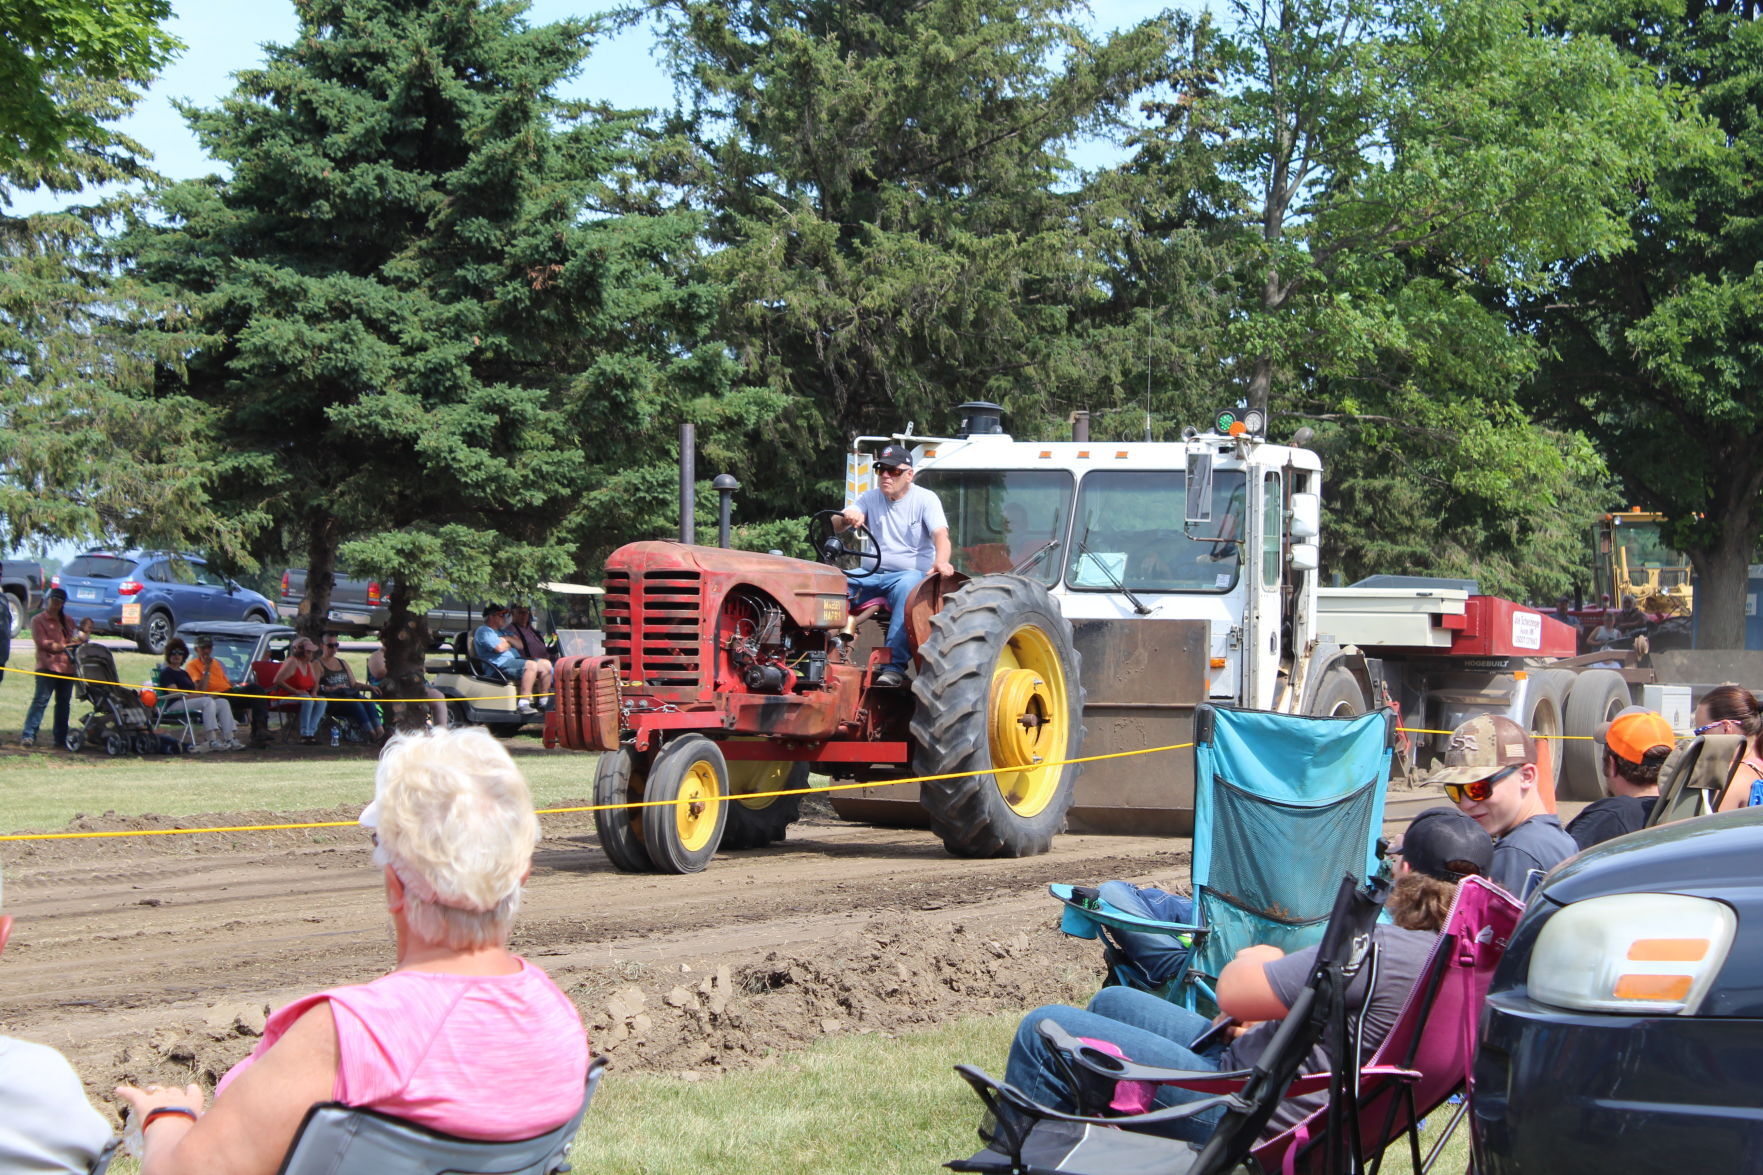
(41, 790)
(866, 1104)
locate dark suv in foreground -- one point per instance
(145, 595)
(1624, 1028)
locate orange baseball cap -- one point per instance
(1634, 732)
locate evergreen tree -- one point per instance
(428, 337)
(896, 225)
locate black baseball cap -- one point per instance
(1446, 844)
(56, 593)
(491, 609)
(894, 457)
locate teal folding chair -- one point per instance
(1284, 806)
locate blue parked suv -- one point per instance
(145, 595)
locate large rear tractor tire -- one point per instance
(753, 824)
(1598, 696)
(998, 696)
(620, 778)
(683, 835)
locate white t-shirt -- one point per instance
(46, 1123)
(904, 529)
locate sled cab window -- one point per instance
(1004, 519)
(1128, 532)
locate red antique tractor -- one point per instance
(729, 673)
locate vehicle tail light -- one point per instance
(128, 587)
(284, 583)
(1645, 953)
(373, 592)
(55, 580)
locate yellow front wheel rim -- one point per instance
(1029, 721)
(697, 806)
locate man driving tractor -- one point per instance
(912, 534)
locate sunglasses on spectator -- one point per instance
(889, 471)
(332, 645)
(1714, 725)
(1478, 790)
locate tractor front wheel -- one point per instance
(755, 823)
(619, 778)
(1000, 706)
(684, 834)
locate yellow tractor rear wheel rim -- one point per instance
(697, 806)
(757, 776)
(1029, 721)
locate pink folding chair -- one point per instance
(1426, 1058)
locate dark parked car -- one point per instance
(1624, 1027)
(23, 582)
(145, 595)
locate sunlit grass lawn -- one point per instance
(44, 788)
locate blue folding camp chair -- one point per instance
(1284, 806)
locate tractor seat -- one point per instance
(876, 607)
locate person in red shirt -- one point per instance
(55, 637)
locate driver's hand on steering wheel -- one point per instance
(852, 516)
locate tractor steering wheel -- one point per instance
(852, 550)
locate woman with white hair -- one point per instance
(462, 1036)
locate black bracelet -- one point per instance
(154, 1115)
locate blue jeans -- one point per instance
(63, 691)
(894, 587)
(1147, 1029)
(355, 710)
(311, 714)
(1155, 956)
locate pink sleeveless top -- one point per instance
(493, 1057)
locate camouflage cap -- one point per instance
(1481, 747)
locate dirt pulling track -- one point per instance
(154, 958)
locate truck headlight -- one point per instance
(1644, 953)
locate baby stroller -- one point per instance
(118, 721)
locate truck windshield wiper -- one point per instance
(1114, 581)
(1034, 557)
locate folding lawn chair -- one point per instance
(1426, 1057)
(1284, 805)
(335, 1139)
(1031, 1139)
(1694, 778)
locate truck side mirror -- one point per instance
(1306, 516)
(1305, 556)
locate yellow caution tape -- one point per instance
(270, 697)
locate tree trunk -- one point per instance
(1720, 594)
(406, 639)
(322, 537)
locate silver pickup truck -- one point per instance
(361, 607)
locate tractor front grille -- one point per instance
(654, 626)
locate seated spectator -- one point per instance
(1259, 986)
(492, 645)
(1636, 744)
(527, 640)
(1733, 709)
(460, 1037)
(210, 676)
(337, 684)
(46, 1123)
(1490, 773)
(298, 677)
(377, 682)
(1631, 617)
(219, 728)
